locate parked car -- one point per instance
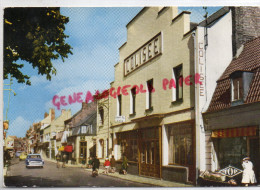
(34, 160)
(18, 153)
(22, 156)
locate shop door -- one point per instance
(83, 152)
(254, 155)
(149, 153)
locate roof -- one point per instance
(248, 60)
(87, 120)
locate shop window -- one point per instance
(132, 100)
(180, 145)
(149, 91)
(119, 105)
(177, 93)
(128, 145)
(230, 151)
(101, 115)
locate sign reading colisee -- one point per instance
(145, 53)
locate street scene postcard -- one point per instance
(131, 96)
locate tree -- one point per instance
(35, 35)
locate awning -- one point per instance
(234, 132)
(68, 148)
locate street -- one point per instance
(51, 176)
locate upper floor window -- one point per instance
(119, 105)
(149, 91)
(132, 100)
(177, 75)
(101, 115)
(237, 88)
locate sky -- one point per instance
(95, 35)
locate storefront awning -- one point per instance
(234, 132)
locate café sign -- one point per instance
(145, 53)
(230, 171)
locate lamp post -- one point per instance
(10, 90)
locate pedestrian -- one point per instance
(107, 165)
(113, 164)
(58, 158)
(248, 172)
(124, 165)
(95, 166)
(90, 162)
(64, 160)
(83, 161)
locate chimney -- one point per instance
(63, 111)
(45, 115)
(52, 114)
(84, 105)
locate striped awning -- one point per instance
(234, 132)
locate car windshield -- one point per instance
(34, 156)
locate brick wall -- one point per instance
(246, 25)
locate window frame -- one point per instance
(177, 75)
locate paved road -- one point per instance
(51, 176)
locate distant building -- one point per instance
(79, 134)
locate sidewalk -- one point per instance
(135, 178)
(145, 180)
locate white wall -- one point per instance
(210, 64)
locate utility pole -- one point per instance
(7, 109)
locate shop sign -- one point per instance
(144, 54)
(10, 144)
(120, 119)
(230, 171)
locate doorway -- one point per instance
(149, 152)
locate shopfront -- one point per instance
(142, 147)
(233, 144)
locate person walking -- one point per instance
(95, 166)
(90, 162)
(124, 165)
(248, 172)
(58, 158)
(64, 160)
(107, 165)
(113, 164)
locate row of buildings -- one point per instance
(185, 98)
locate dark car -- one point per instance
(34, 160)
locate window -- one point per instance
(83, 129)
(101, 114)
(237, 88)
(149, 91)
(102, 148)
(180, 144)
(119, 105)
(177, 93)
(132, 100)
(128, 145)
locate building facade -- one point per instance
(232, 119)
(217, 40)
(152, 108)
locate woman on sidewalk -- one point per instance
(124, 165)
(113, 164)
(95, 166)
(248, 172)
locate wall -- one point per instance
(210, 64)
(246, 24)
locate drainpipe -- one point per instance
(197, 134)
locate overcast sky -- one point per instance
(95, 35)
